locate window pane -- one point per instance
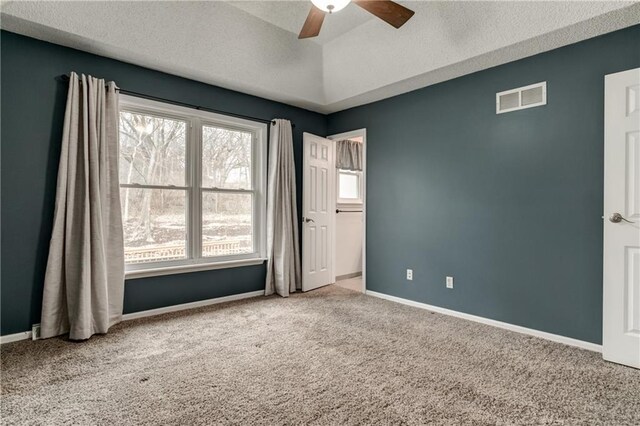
(155, 226)
(349, 186)
(227, 224)
(226, 158)
(152, 150)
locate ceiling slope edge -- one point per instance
(600, 25)
(56, 36)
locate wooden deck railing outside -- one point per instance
(178, 251)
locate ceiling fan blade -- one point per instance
(391, 12)
(312, 25)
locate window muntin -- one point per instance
(193, 184)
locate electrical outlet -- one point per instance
(449, 282)
(35, 331)
(410, 274)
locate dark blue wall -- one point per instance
(510, 204)
(33, 104)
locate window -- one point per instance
(192, 188)
(349, 187)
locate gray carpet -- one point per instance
(331, 356)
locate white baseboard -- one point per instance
(8, 338)
(192, 305)
(152, 312)
(518, 329)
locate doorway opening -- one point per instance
(350, 212)
(334, 203)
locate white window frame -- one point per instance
(519, 91)
(195, 119)
(360, 187)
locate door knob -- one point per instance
(617, 218)
(307, 220)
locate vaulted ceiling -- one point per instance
(252, 46)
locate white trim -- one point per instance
(8, 338)
(25, 335)
(504, 325)
(346, 135)
(182, 112)
(192, 305)
(193, 267)
(196, 119)
(519, 91)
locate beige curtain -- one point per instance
(283, 264)
(84, 282)
(349, 155)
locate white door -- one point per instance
(621, 315)
(318, 212)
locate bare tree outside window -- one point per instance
(226, 158)
(153, 154)
(226, 216)
(155, 189)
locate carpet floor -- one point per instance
(331, 356)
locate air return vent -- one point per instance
(521, 98)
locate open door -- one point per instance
(318, 211)
(621, 315)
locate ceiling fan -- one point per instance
(387, 10)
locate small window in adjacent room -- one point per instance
(349, 187)
(192, 188)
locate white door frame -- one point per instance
(346, 135)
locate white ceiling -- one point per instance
(290, 16)
(252, 46)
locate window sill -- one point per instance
(183, 269)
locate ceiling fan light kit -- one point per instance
(330, 5)
(389, 11)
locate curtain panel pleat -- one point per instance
(283, 254)
(349, 155)
(84, 280)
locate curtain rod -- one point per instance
(65, 78)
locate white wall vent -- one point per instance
(523, 97)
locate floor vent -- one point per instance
(523, 97)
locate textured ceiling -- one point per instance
(252, 46)
(290, 16)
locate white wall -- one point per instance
(348, 242)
